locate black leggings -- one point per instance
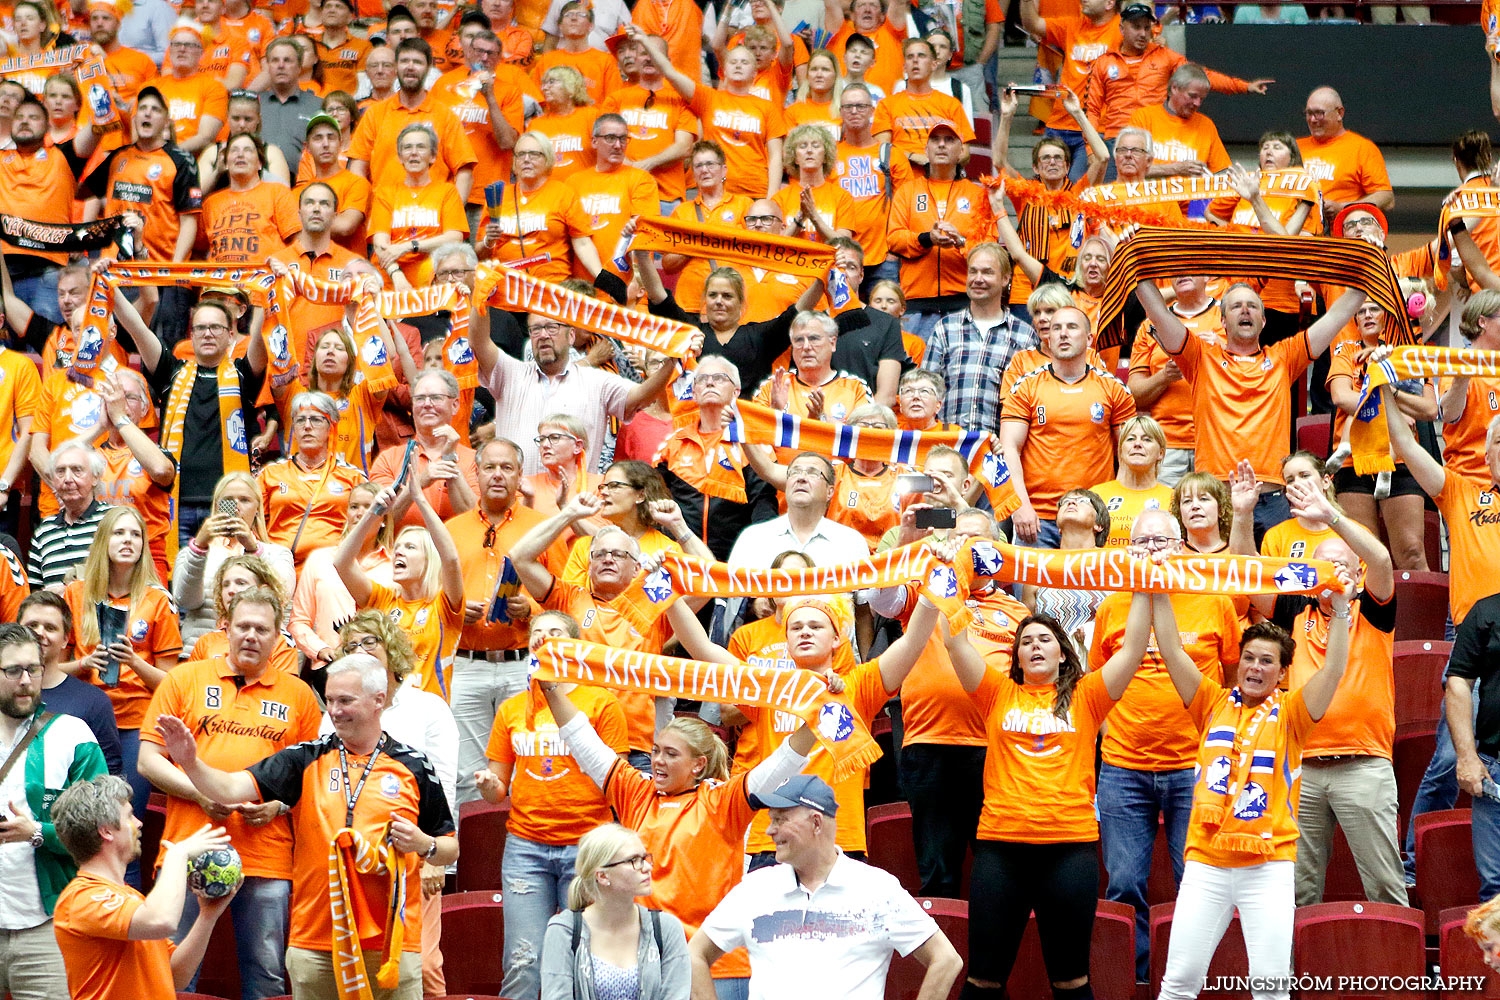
(1009, 881)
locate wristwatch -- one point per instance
(431, 851)
(36, 839)
(416, 246)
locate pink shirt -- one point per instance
(321, 602)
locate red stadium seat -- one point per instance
(1421, 605)
(1229, 958)
(473, 942)
(1446, 876)
(904, 980)
(219, 975)
(980, 165)
(1458, 956)
(884, 785)
(1363, 940)
(1419, 680)
(1111, 957)
(1413, 752)
(1313, 433)
(982, 131)
(199, 996)
(889, 844)
(481, 844)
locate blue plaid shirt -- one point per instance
(972, 365)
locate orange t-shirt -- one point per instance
(154, 635)
(342, 62)
(576, 568)
(192, 99)
(1472, 513)
(1289, 540)
(1081, 41)
(433, 626)
(842, 394)
(832, 201)
(695, 840)
(1242, 404)
(235, 723)
(544, 222)
(125, 484)
(571, 140)
(1126, 504)
(156, 184)
(652, 130)
(387, 467)
(1039, 769)
(92, 923)
(868, 504)
(610, 200)
(601, 74)
(604, 622)
(680, 23)
(916, 207)
(308, 506)
(465, 100)
(1463, 440)
(993, 629)
(405, 213)
(857, 169)
(908, 118)
(1175, 140)
(1343, 364)
(1070, 439)
(306, 315)
(374, 139)
(865, 695)
(216, 644)
(20, 396)
(1361, 719)
(1173, 409)
(474, 534)
(690, 280)
(935, 708)
(769, 293)
(818, 113)
(1029, 359)
(1150, 729)
(66, 410)
(128, 70)
(39, 188)
(888, 66)
(551, 800)
(743, 125)
(1295, 726)
(352, 191)
(1349, 166)
(246, 227)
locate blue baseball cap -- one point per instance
(799, 790)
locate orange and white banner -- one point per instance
(1294, 183)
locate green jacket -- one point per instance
(65, 752)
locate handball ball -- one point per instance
(215, 874)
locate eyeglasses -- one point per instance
(709, 378)
(612, 487)
(640, 862)
(432, 397)
(309, 418)
(547, 327)
(920, 391)
(210, 328)
(762, 220)
(856, 107)
(805, 475)
(453, 275)
(1132, 150)
(614, 555)
(1153, 543)
(368, 644)
(558, 438)
(529, 154)
(14, 673)
(612, 138)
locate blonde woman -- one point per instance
(119, 573)
(605, 944)
(567, 119)
(236, 575)
(321, 600)
(818, 97)
(815, 206)
(236, 525)
(1141, 446)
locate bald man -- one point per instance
(1349, 166)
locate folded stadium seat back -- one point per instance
(1446, 875)
(219, 975)
(1230, 958)
(1313, 434)
(1413, 748)
(1363, 941)
(904, 980)
(481, 845)
(1421, 604)
(1111, 957)
(1458, 956)
(889, 845)
(1419, 669)
(473, 942)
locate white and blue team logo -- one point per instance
(835, 722)
(994, 469)
(943, 581)
(460, 353)
(1217, 777)
(86, 410)
(235, 426)
(281, 350)
(1296, 576)
(373, 351)
(1096, 412)
(1252, 802)
(657, 586)
(987, 559)
(138, 630)
(89, 347)
(390, 785)
(99, 102)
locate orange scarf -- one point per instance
(1469, 203)
(734, 247)
(351, 852)
(1158, 254)
(711, 464)
(516, 291)
(234, 436)
(1293, 183)
(799, 692)
(1369, 438)
(86, 66)
(1238, 795)
(757, 424)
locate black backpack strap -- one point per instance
(656, 932)
(577, 927)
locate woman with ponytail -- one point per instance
(605, 945)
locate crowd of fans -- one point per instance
(303, 608)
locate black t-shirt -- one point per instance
(753, 349)
(1476, 657)
(202, 462)
(1382, 617)
(867, 337)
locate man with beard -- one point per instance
(43, 753)
(128, 68)
(372, 152)
(240, 708)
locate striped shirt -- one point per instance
(972, 361)
(57, 546)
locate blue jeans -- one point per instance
(535, 881)
(1077, 150)
(1486, 832)
(190, 517)
(140, 793)
(1270, 510)
(923, 323)
(259, 912)
(1047, 535)
(1129, 803)
(40, 293)
(640, 760)
(887, 270)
